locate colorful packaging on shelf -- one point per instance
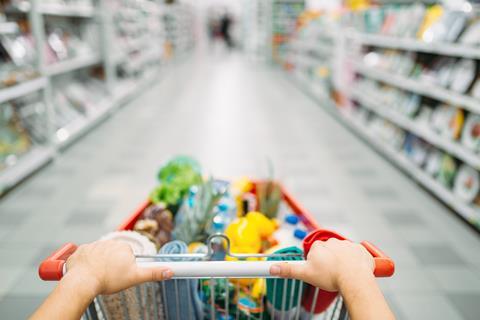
(471, 132)
(448, 171)
(467, 184)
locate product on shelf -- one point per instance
(14, 140)
(471, 36)
(448, 121)
(68, 41)
(463, 75)
(416, 149)
(434, 162)
(471, 132)
(17, 55)
(467, 184)
(448, 171)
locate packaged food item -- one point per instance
(434, 162)
(471, 35)
(471, 132)
(467, 184)
(448, 171)
(463, 75)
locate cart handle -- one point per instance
(53, 268)
(384, 266)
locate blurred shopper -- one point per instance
(225, 29)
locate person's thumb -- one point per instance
(152, 274)
(288, 270)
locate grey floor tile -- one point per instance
(18, 308)
(466, 304)
(381, 193)
(12, 217)
(398, 217)
(437, 255)
(29, 284)
(10, 276)
(426, 306)
(454, 279)
(362, 173)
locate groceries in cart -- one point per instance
(220, 239)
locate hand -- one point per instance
(330, 264)
(109, 266)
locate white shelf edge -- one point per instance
(72, 64)
(468, 212)
(442, 48)
(26, 165)
(420, 88)
(21, 89)
(67, 11)
(451, 147)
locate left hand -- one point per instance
(109, 267)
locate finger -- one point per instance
(285, 270)
(152, 274)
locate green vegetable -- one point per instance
(176, 178)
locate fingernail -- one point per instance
(167, 274)
(275, 270)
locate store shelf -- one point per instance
(70, 133)
(25, 166)
(72, 64)
(8, 27)
(467, 211)
(451, 147)
(419, 87)
(448, 49)
(67, 10)
(24, 88)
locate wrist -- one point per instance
(354, 278)
(82, 283)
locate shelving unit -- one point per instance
(416, 86)
(107, 57)
(22, 89)
(409, 44)
(343, 54)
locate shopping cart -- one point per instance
(206, 289)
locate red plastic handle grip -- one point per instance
(384, 266)
(51, 269)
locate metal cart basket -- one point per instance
(206, 289)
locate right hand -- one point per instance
(330, 264)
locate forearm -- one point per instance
(68, 301)
(363, 298)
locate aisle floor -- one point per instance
(235, 116)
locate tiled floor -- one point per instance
(233, 116)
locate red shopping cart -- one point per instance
(206, 289)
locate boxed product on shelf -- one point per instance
(68, 40)
(17, 55)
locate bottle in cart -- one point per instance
(290, 232)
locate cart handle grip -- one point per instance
(218, 269)
(52, 268)
(384, 266)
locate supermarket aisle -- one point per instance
(233, 116)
